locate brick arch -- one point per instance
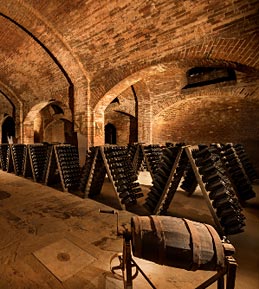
(41, 29)
(239, 54)
(251, 93)
(12, 125)
(18, 105)
(28, 124)
(116, 90)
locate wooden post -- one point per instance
(204, 191)
(168, 183)
(90, 177)
(123, 207)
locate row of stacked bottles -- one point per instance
(225, 171)
(44, 163)
(116, 163)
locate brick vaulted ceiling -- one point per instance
(48, 46)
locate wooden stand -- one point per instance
(9, 161)
(60, 165)
(108, 171)
(173, 182)
(204, 191)
(166, 197)
(127, 263)
(89, 175)
(16, 157)
(100, 166)
(27, 166)
(3, 154)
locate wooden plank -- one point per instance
(64, 188)
(90, 177)
(52, 165)
(32, 165)
(27, 169)
(123, 207)
(10, 164)
(11, 146)
(168, 183)
(146, 160)
(135, 159)
(204, 191)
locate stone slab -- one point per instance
(63, 258)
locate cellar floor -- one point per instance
(53, 239)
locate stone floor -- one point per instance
(53, 239)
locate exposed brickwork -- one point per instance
(210, 119)
(86, 53)
(122, 124)
(6, 107)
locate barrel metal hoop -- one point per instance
(160, 238)
(196, 246)
(217, 245)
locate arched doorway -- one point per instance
(8, 129)
(110, 134)
(45, 123)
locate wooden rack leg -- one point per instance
(230, 271)
(221, 283)
(108, 171)
(204, 192)
(163, 196)
(231, 274)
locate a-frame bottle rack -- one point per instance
(132, 151)
(87, 171)
(3, 156)
(138, 162)
(36, 159)
(16, 158)
(166, 180)
(94, 173)
(246, 163)
(63, 167)
(152, 157)
(9, 160)
(12, 158)
(236, 171)
(217, 191)
(148, 157)
(115, 162)
(27, 167)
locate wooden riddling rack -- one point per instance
(146, 156)
(219, 188)
(240, 171)
(166, 179)
(12, 158)
(63, 167)
(116, 163)
(16, 158)
(4, 149)
(207, 172)
(36, 161)
(245, 162)
(231, 161)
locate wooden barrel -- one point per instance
(177, 242)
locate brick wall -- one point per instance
(79, 51)
(208, 120)
(122, 123)
(55, 132)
